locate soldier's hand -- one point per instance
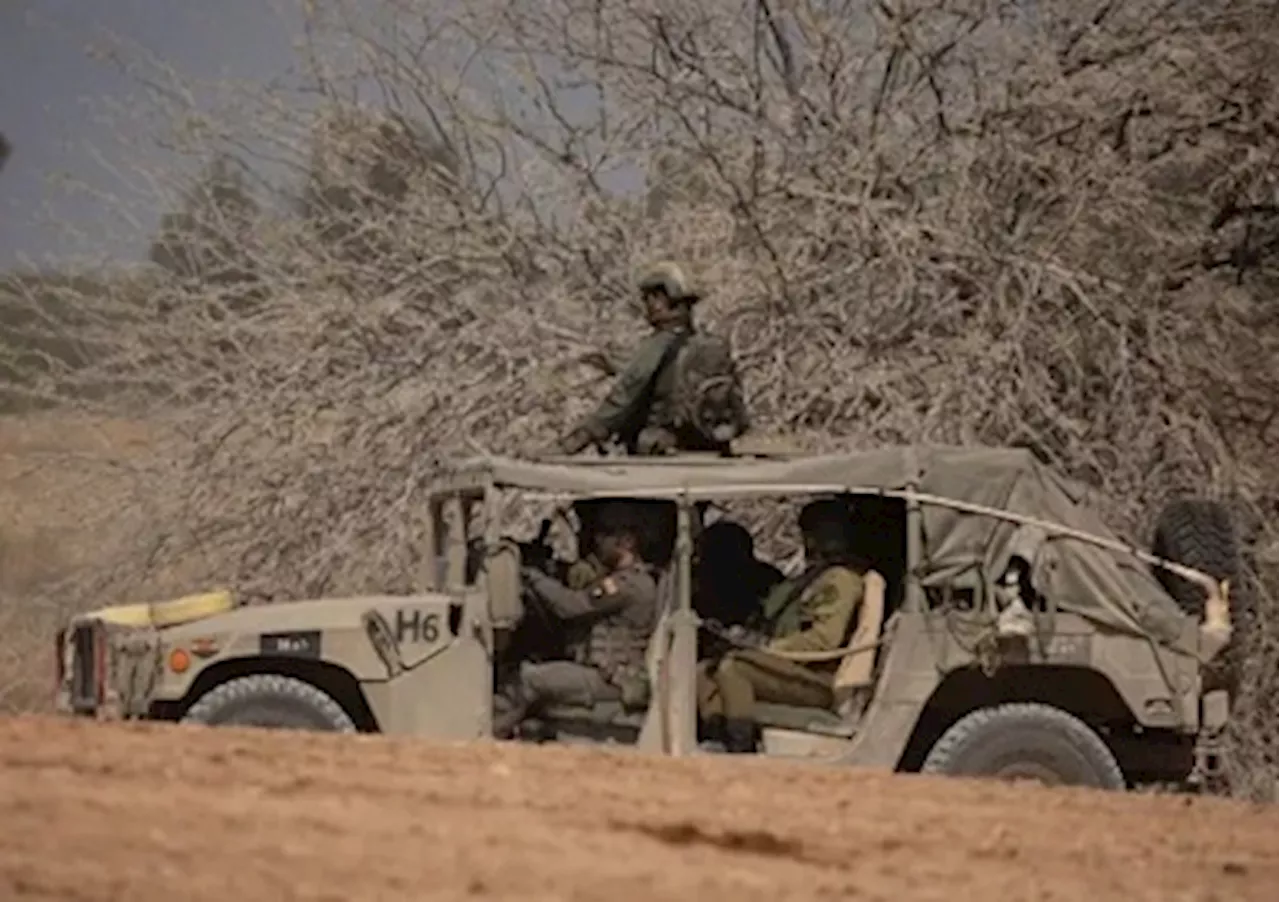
(573, 443)
(740, 635)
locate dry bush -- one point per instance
(920, 221)
(70, 501)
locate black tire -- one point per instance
(1025, 741)
(1198, 534)
(269, 700)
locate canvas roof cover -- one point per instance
(1111, 588)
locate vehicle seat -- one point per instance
(854, 679)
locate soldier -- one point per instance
(618, 611)
(814, 611)
(729, 581)
(641, 407)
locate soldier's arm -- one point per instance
(606, 596)
(832, 601)
(622, 402)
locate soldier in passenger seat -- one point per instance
(729, 582)
(813, 612)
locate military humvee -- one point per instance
(1008, 633)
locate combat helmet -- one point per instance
(829, 520)
(824, 509)
(671, 278)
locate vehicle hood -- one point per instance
(313, 614)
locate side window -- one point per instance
(880, 532)
(455, 540)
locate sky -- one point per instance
(52, 93)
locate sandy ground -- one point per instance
(97, 812)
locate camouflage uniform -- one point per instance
(812, 612)
(619, 610)
(638, 408)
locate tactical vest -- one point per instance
(617, 646)
(781, 607)
(654, 414)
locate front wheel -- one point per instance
(1025, 741)
(270, 700)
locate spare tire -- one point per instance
(1198, 534)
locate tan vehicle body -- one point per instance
(1107, 646)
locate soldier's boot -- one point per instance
(655, 441)
(509, 710)
(739, 736)
(713, 728)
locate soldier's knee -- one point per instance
(533, 677)
(729, 668)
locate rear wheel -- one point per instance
(270, 700)
(1025, 741)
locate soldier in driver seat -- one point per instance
(613, 618)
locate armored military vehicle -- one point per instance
(1007, 633)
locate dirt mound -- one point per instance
(109, 812)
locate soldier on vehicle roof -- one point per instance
(618, 611)
(812, 612)
(646, 407)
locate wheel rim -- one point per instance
(1032, 771)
